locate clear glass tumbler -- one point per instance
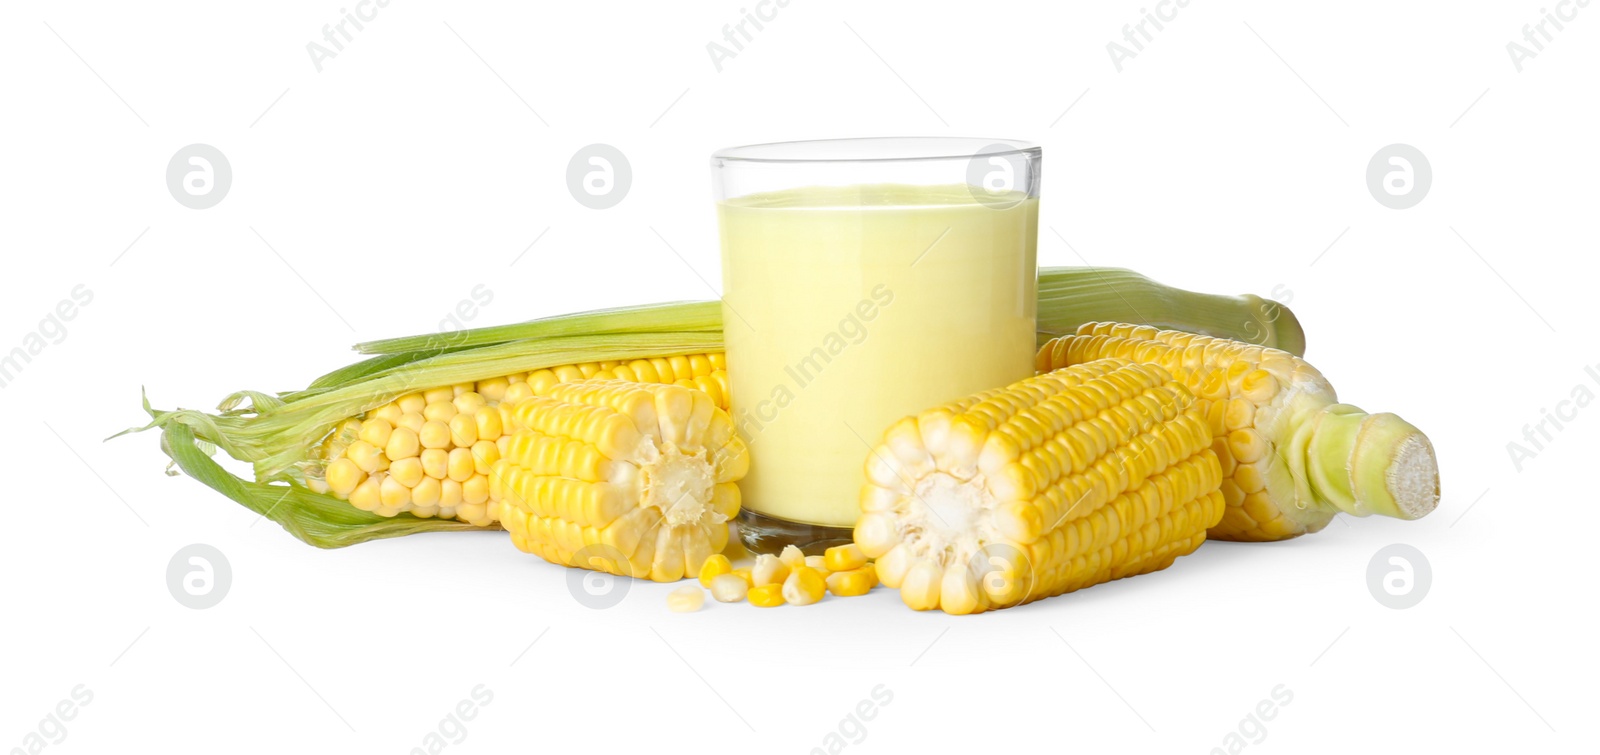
(864, 280)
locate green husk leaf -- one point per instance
(321, 520)
(1068, 297)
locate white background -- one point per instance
(411, 169)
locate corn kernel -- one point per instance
(440, 411)
(402, 444)
(343, 476)
(388, 413)
(743, 573)
(850, 583)
(686, 599)
(804, 586)
(729, 588)
(792, 556)
(819, 563)
(845, 557)
(766, 596)
(435, 434)
(365, 455)
(411, 402)
(714, 567)
(376, 431)
(768, 571)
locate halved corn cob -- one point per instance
(1054, 483)
(634, 479)
(1292, 456)
(429, 453)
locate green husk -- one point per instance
(1068, 297)
(280, 435)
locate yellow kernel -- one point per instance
(850, 583)
(804, 586)
(442, 394)
(366, 495)
(425, 494)
(845, 557)
(743, 573)
(714, 567)
(440, 411)
(468, 402)
(449, 494)
(766, 596)
(487, 419)
(493, 389)
(463, 430)
(376, 431)
(407, 472)
(402, 444)
(411, 402)
(461, 467)
(686, 599)
(393, 494)
(819, 563)
(792, 556)
(388, 412)
(435, 434)
(365, 455)
(411, 421)
(436, 463)
(476, 490)
(728, 588)
(343, 476)
(484, 454)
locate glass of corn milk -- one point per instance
(864, 280)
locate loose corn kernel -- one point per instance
(818, 563)
(850, 583)
(768, 571)
(765, 596)
(686, 599)
(715, 566)
(743, 573)
(792, 556)
(804, 586)
(844, 557)
(729, 588)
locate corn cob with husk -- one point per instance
(1292, 456)
(440, 406)
(1064, 480)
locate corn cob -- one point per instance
(429, 453)
(1058, 482)
(1292, 457)
(294, 440)
(633, 479)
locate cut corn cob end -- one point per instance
(1057, 482)
(1292, 457)
(634, 479)
(429, 453)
